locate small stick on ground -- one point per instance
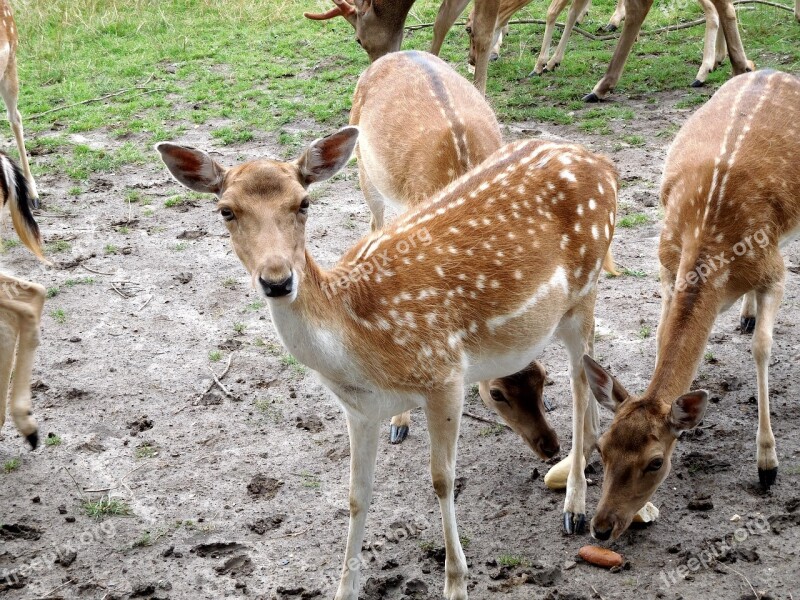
(93, 271)
(225, 390)
(756, 595)
(54, 590)
(596, 593)
(484, 420)
(119, 481)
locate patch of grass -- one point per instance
(11, 465)
(232, 135)
(290, 361)
(510, 560)
(638, 273)
(215, 356)
(52, 439)
(256, 306)
(271, 407)
(58, 247)
(230, 283)
(144, 540)
(9, 244)
(634, 220)
(111, 249)
(634, 140)
(644, 332)
(239, 328)
(180, 246)
(492, 430)
(309, 480)
(70, 283)
(174, 201)
(106, 507)
(52, 292)
(146, 451)
(59, 316)
(75, 191)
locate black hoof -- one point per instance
(494, 57)
(767, 477)
(591, 98)
(33, 439)
(548, 406)
(747, 324)
(551, 69)
(35, 204)
(610, 28)
(398, 434)
(574, 524)
(533, 74)
(697, 83)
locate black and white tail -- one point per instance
(15, 193)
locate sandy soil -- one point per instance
(247, 496)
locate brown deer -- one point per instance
(448, 129)
(9, 90)
(21, 304)
(501, 260)
(379, 26)
(731, 195)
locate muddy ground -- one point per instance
(247, 496)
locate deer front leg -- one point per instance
(9, 89)
(483, 26)
(709, 43)
(21, 387)
(616, 18)
(447, 15)
(363, 450)
(8, 345)
(667, 284)
(555, 8)
(767, 304)
(635, 13)
(443, 412)
(747, 318)
(730, 26)
(575, 11)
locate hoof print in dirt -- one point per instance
(139, 425)
(300, 592)
(217, 549)
(11, 531)
(377, 588)
(264, 487)
(311, 423)
(209, 399)
(415, 588)
(66, 559)
(183, 278)
(191, 234)
(436, 554)
(700, 503)
(14, 581)
(263, 525)
(236, 566)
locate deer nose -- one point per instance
(277, 289)
(601, 534)
(549, 447)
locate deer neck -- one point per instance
(686, 330)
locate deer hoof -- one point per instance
(747, 324)
(398, 434)
(767, 477)
(610, 28)
(33, 439)
(574, 524)
(697, 83)
(592, 98)
(548, 406)
(494, 57)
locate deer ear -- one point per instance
(326, 156)
(606, 389)
(193, 168)
(688, 410)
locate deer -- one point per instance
(404, 163)
(21, 305)
(9, 90)
(379, 26)
(503, 259)
(731, 201)
(635, 12)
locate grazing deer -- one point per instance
(634, 14)
(379, 26)
(501, 260)
(21, 304)
(9, 89)
(731, 194)
(447, 128)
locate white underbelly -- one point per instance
(481, 368)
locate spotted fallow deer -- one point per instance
(21, 304)
(731, 194)
(379, 26)
(447, 128)
(500, 261)
(9, 90)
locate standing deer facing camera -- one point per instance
(515, 248)
(731, 194)
(9, 89)
(21, 304)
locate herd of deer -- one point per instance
(498, 250)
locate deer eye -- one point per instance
(227, 214)
(497, 395)
(655, 465)
(304, 206)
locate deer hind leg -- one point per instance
(616, 18)
(9, 89)
(797, 10)
(709, 43)
(363, 450)
(574, 12)
(26, 304)
(373, 197)
(767, 304)
(8, 346)
(447, 15)
(576, 330)
(730, 26)
(483, 26)
(747, 318)
(584, 12)
(555, 9)
(398, 430)
(721, 50)
(635, 13)
(443, 411)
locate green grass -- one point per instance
(106, 507)
(9, 244)
(52, 292)
(634, 220)
(145, 451)
(510, 560)
(70, 283)
(58, 247)
(215, 356)
(59, 316)
(11, 465)
(239, 327)
(52, 439)
(644, 332)
(111, 249)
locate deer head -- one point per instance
(637, 448)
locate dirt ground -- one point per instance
(247, 496)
